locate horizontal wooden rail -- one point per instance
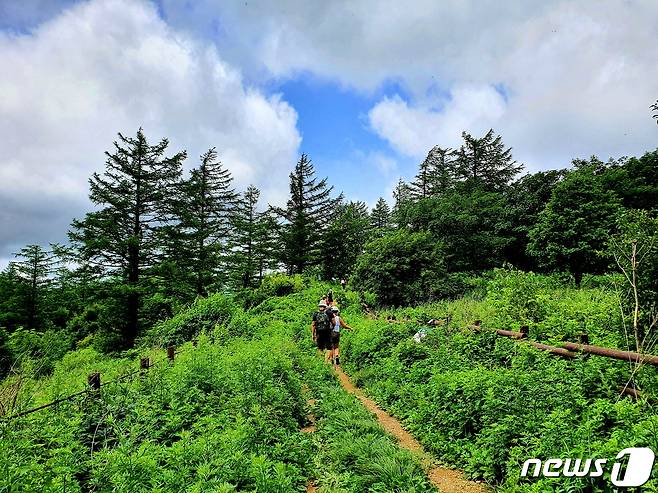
(553, 350)
(612, 353)
(512, 334)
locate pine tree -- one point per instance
(403, 200)
(306, 214)
(442, 167)
(246, 240)
(380, 217)
(420, 187)
(267, 248)
(205, 207)
(436, 174)
(35, 270)
(123, 238)
(346, 236)
(485, 162)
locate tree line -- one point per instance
(156, 240)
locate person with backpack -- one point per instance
(321, 328)
(338, 324)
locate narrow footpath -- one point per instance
(445, 479)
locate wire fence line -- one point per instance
(568, 350)
(94, 383)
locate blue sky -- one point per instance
(336, 134)
(365, 88)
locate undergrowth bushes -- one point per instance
(215, 310)
(224, 417)
(485, 403)
(552, 309)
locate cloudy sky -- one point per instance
(365, 88)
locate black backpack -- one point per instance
(322, 322)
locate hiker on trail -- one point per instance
(321, 329)
(343, 283)
(338, 324)
(330, 297)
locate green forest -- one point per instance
(172, 259)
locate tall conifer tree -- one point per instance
(34, 269)
(205, 208)
(249, 240)
(485, 162)
(122, 237)
(436, 174)
(380, 217)
(306, 215)
(402, 197)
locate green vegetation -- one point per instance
(225, 416)
(228, 414)
(486, 403)
(165, 259)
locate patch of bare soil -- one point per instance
(310, 419)
(445, 479)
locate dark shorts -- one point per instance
(335, 338)
(324, 340)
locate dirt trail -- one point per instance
(446, 480)
(309, 428)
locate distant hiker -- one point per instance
(321, 330)
(330, 297)
(343, 283)
(338, 324)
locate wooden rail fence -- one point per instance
(571, 350)
(94, 383)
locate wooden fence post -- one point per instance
(525, 331)
(171, 353)
(144, 363)
(94, 381)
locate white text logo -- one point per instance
(638, 467)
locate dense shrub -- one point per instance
(552, 309)
(220, 419)
(401, 268)
(276, 284)
(226, 416)
(43, 348)
(215, 310)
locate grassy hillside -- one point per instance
(227, 414)
(486, 403)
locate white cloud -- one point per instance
(578, 76)
(414, 130)
(114, 65)
(578, 79)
